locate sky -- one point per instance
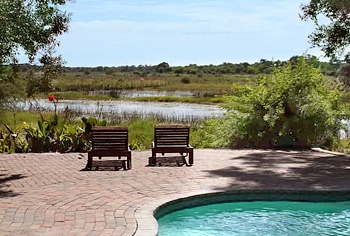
(182, 32)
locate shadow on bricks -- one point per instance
(303, 169)
(4, 185)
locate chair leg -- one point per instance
(129, 161)
(190, 158)
(89, 163)
(125, 164)
(152, 160)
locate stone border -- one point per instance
(318, 149)
(146, 216)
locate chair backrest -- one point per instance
(112, 138)
(171, 136)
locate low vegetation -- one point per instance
(52, 133)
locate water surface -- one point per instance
(172, 111)
(259, 218)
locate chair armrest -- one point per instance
(129, 148)
(153, 145)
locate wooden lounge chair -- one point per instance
(172, 139)
(109, 142)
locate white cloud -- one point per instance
(145, 32)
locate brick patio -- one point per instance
(48, 194)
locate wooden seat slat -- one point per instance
(172, 133)
(110, 142)
(170, 141)
(109, 147)
(160, 139)
(98, 137)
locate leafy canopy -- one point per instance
(31, 25)
(333, 38)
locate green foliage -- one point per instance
(49, 135)
(333, 38)
(141, 133)
(185, 80)
(72, 139)
(90, 122)
(13, 141)
(163, 68)
(43, 138)
(292, 107)
(31, 25)
(5, 142)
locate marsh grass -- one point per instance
(198, 100)
(121, 117)
(166, 82)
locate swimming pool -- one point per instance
(259, 218)
(270, 214)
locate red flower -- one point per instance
(51, 98)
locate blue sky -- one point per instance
(134, 32)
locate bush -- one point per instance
(293, 107)
(185, 80)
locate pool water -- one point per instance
(265, 218)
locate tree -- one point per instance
(31, 26)
(334, 38)
(163, 67)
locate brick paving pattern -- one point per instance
(48, 194)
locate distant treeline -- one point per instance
(262, 67)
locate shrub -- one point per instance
(185, 80)
(292, 107)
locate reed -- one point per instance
(198, 100)
(169, 82)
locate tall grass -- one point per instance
(198, 100)
(169, 82)
(16, 118)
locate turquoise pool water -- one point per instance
(265, 218)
